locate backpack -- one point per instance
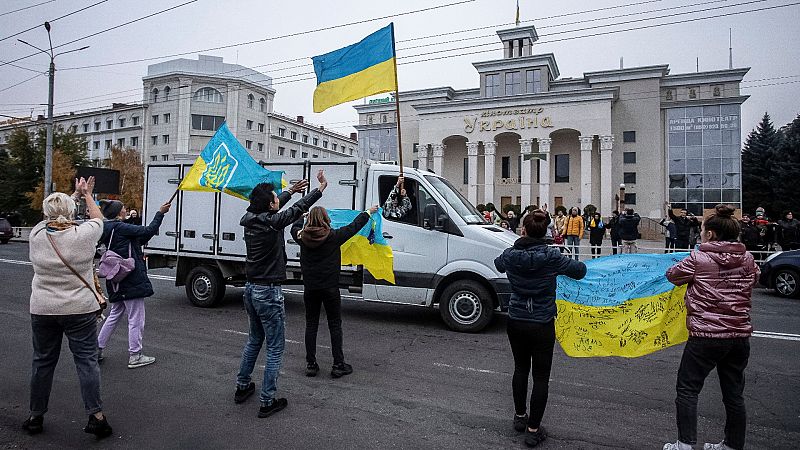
(114, 267)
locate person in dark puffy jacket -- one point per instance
(789, 232)
(532, 267)
(629, 230)
(321, 262)
(127, 296)
(720, 277)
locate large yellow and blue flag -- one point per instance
(225, 166)
(356, 71)
(623, 307)
(368, 247)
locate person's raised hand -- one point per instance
(323, 182)
(165, 208)
(402, 192)
(89, 189)
(300, 186)
(80, 186)
(400, 181)
(373, 209)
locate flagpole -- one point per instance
(397, 106)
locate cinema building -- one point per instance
(526, 136)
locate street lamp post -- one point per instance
(48, 155)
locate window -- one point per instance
(166, 118)
(207, 123)
(155, 119)
(305, 155)
(108, 144)
(261, 128)
(562, 169)
(154, 158)
(282, 132)
(493, 85)
(250, 100)
(165, 157)
(260, 147)
(154, 140)
(370, 119)
(122, 122)
(384, 119)
(97, 126)
(165, 139)
(154, 95)
(293, 135)
(96, 145)
(134, 141)
(135, 120)
(121, 143)
(333, 146)
(324, 144)
(513, 80)
(293, 153)
(630, 198)
(533, 81)
(466, 169)
(628, 136)
(629, 157)
(305, 139)
(208, 94)
(351, 150)
(316, 141)
(109, 124)
(249, 125)
(414, 164)
(86, 128)
(693, 93)
(629, 177)
(505, 167)
(248, 145)
(262, 104)
(315, 155)
(281, 151)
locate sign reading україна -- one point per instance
(508, 119)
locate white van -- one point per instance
(443, 250)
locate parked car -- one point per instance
(6, 232)
(781, 271)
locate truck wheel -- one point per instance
(466, 306)
(786, 283)
(205, 286)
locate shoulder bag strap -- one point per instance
(100, 300)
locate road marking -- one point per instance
(472, 369)
(289, 341)
(21, 263)
(781, 336)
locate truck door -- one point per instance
(418, 253)
(161, 184)
(197, 216)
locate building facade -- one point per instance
(525, 136)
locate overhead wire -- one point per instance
(26, 7)
(53, 20)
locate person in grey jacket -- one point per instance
(532, 267)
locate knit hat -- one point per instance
(110, 208)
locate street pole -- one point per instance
(48, 155)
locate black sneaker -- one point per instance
(277, 405)
(312, 369)
(98, 427)
(341, 369)
(34, 425)
(534, 438)
(520, 422)
(242, 394)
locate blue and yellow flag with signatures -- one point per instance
(623, 307)
(368, 247)
(225, 166)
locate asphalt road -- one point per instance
(416, 384)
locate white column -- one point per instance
(184, 116)
(472, 172)
(423, 156)
(489, 149)
(586, 170)
(525, 183)
(606, 186)
(544, 173)
(232, 118)
(438, 158)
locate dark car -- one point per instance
(6, 232)
(781, 271)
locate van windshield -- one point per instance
(457, 201)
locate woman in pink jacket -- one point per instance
(721, 276)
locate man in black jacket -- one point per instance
(629, 230)
(683, 227)
(263, 299)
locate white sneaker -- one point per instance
(139, 360)
(678, 445)
(720, 446)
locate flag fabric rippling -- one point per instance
(368, 247)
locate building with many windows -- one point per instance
(526, 136)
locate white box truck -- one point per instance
(443, 249)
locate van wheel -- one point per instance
(466, 306)
(205, 286)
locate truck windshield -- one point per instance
(457, 201)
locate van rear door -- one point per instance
(162, 180)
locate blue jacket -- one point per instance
(532, 268)
(136, 284)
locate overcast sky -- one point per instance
(765, 41)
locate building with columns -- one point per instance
(526, 136)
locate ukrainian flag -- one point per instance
(623, 307)
(356, 71)
(368, 247)
(225, 166)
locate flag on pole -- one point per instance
(356, 71)
(368, 247)
(623, 307)
(225, 166)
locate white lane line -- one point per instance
(472, 369)
(781, 336)
(12, 261)
(288, 341)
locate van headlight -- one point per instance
(771, 257)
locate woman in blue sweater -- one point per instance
(532, 267)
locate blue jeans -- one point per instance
(264, 306)
(574, 244)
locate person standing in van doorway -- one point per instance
(263, 297)
(532, 267)
(321, 262)
(573, 231)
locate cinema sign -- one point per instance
(508, 119)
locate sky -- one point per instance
(766, 41)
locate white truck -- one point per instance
(443, 249)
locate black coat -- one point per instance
(750, 236)
(532, 267)
(629, 227)
(683, 226)
(136, 285)
(613, 227)
(596, 233)
(321, 263)
(263, 236)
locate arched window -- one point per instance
(154, 96)
(166, 93)
(250, 100)
(208, 94)
(263, 104)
